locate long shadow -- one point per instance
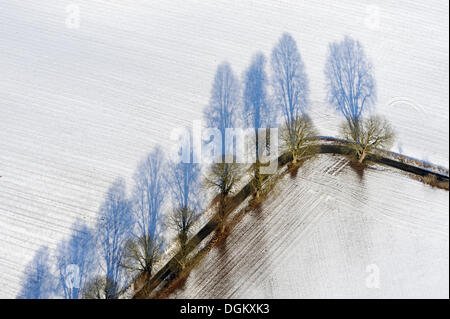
(38, 282)
(74, 261)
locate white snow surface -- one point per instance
(82, 106)
(328, 233)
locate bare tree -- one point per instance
(290, 87)
(149, 192)
(296, 136)
(372, 134)
(222, 179)
(141, 253)
(144, 249)
(257, 109)
(184, 183)
(181, 220)
(114, 229)
(350, 83)
(97, 288)
(221, 113)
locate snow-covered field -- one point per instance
(82, 105)
(329, 234)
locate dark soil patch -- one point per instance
(358, 168)
(293, 170)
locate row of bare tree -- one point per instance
(130, 232)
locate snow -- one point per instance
(325, 233)
(82, 106)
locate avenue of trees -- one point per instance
(168, 196)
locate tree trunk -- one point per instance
(362, 157)
(257, 180)
(222, 213)
(222, 207)
(222, 226)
